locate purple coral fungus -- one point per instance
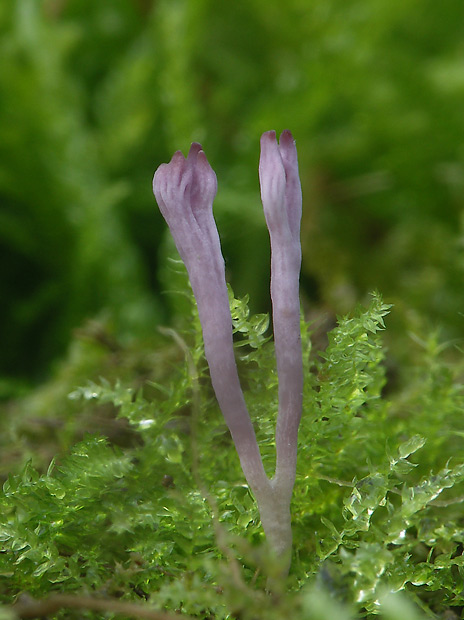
(185, 189)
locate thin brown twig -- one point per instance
(29, 607)
(221, 536)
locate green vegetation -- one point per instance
(168, 517)
(122, 491)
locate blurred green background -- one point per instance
(94, 95)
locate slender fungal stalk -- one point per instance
(282, 202)
(185, 190)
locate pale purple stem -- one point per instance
(282, 202)
(185, 190)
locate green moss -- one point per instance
(170, 515)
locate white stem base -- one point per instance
(274, 509)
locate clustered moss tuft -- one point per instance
(166, 521)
